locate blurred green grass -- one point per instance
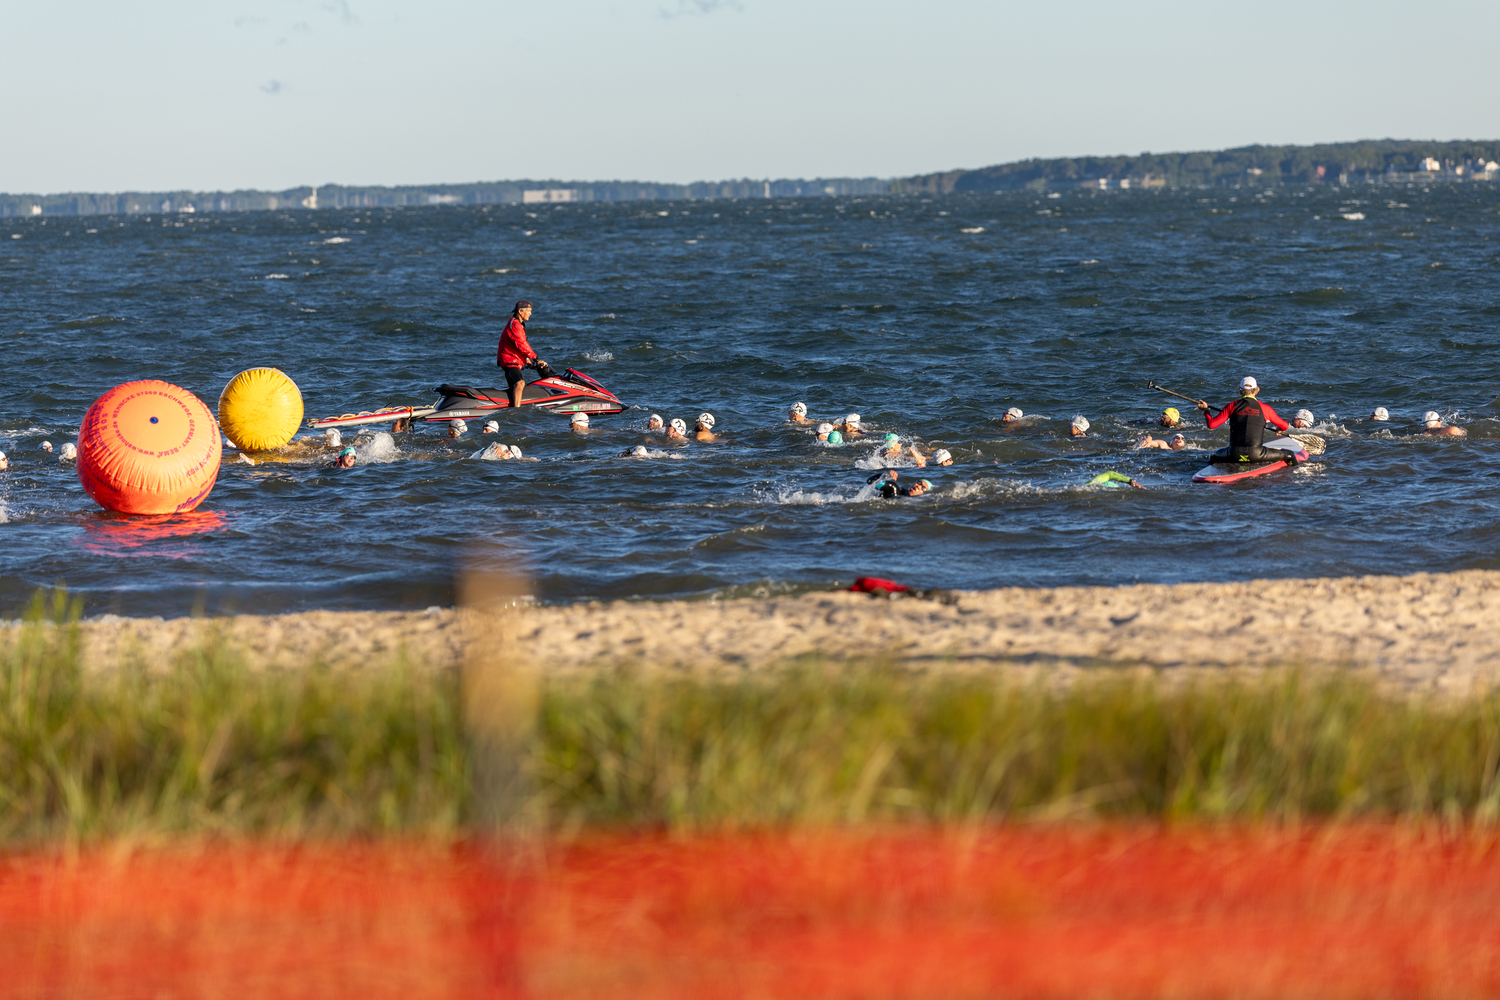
(210, 745)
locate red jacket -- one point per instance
(514, 351)
(1217, 419)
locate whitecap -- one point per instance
(380, 448)
(337, 239)
(1354, 216)
(277, 277)
(972, 229)
(598, 356)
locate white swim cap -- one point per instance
(1381, 413)
(46, 446)
(1306, 416)
(70, 450)
(579, 419)
(706, 420)
(1431, 418)
(503, 450)
(941, 455)
(679, 425)
(825, 428)
(1248, 382)
(852, 419)
(492, 427)
(457, 427)
(799, 409)
(333, 438)
(2, 456)
(1081, 422)
(639, 451)
(655, 419)
(1176, 437)
(515, 451)
(1014, 413)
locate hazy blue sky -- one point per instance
(160, 94)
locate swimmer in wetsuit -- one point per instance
(890, 488)
(1114, 481)
(1247, 418)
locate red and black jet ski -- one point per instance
(570, 392)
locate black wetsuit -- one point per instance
(1247, 418)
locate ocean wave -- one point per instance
(598, 356)
(277, 277)
(337, 239)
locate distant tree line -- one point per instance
(1328, 163)
(1366, 160)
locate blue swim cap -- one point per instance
(834, 437)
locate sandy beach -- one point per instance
(1420, 632)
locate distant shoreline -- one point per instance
(1370, 161)
(1437, 632)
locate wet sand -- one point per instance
(1426, 631)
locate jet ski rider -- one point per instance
(1247, 418)
(514, 353)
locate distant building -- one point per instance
(311, 201)
(549, 195)
(1431, 165)
(36, 210)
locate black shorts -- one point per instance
(513, 375)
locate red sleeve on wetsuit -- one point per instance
(1217, 419)
(1273, 419)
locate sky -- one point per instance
(165, 95)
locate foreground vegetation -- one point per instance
(209, 745)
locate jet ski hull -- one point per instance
(568, 393)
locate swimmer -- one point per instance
(798, 414)
(4, 462)
(1114, 481)
(1381, 413)
(491, 427)
(890, 488)
(1079, 427)
(894, 450)
(834, 437)
(1175, 443)
(515, 453)
(677, 430)
(333, 439)
(824, 429)
(1170, 417)
(47, 447)
(850, 426)
(578, 423)
(704, 429)
(346, 459)
(1433, 424)
(639, 451)
(400, 426)
(655, 423)
(1303, 419)
(457, 428)
(69, 452)
(1011, 415)
(942, 457)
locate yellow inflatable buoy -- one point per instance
(148, 447)
(260, 409)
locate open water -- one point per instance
(929, 316)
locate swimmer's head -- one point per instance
(515, 451)
(851, 422)
(918, 488)
(892, 440)
(655, 423)
(798, 411)
(942, 457)
(333, 438)
(1304, 418)
(492, 427)
(1432, 419)
(640, 451)
(1381, 413)
(1079, 427)
(705, 421)
(69, 451)
(1177, 442)
(824, 429)
(1248, 386)
(679, 427)
(4, 462)
(834, 437)
(1014, 413)
(457, 428)
(1170, 417)
(347, 457)
(47, 447)
(578, 420)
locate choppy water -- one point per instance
(928, 316)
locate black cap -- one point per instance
(523, 304)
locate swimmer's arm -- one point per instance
(1110, 477)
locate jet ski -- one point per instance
(1228, 470)
(570, 392)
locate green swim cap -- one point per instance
(927, 483)
(892, 438)
(349, 451)
(834, 437)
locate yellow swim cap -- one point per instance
(1171, 413)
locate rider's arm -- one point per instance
(1217, 419)
(1273, 419)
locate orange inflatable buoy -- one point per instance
(149, 447)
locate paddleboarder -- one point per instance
(1247, 418)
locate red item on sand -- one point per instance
(875, 585)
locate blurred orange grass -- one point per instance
(1113, 910)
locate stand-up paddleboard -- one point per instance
(388, 415)
(1232, 472)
